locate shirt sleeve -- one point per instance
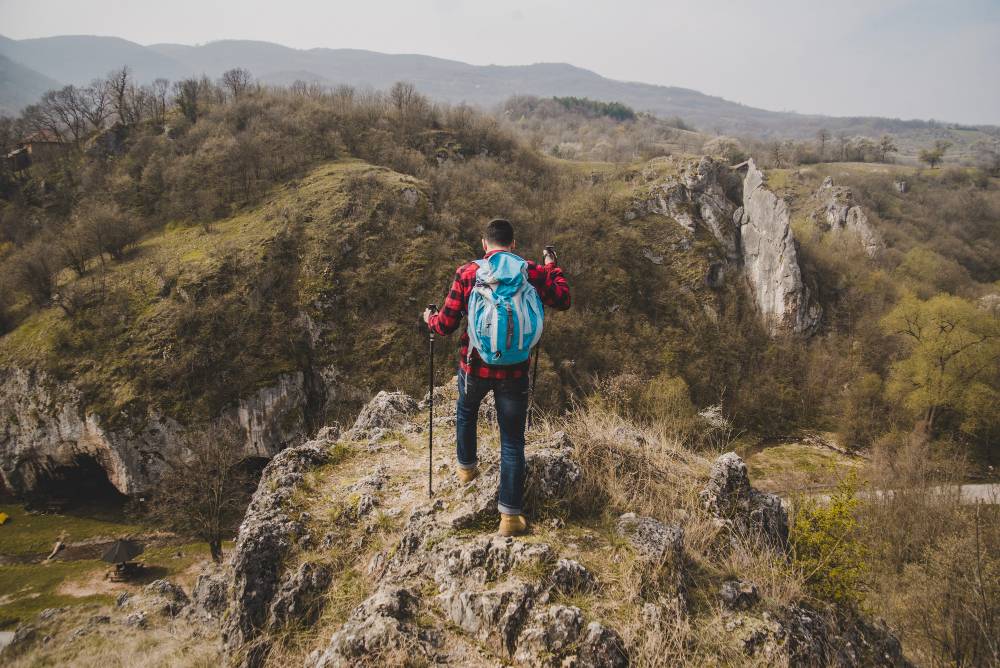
(446, 320)
(551, 285)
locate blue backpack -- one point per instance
(505, 311)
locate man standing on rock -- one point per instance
(505, 322)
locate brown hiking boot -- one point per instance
(512, 525)
(466, 476)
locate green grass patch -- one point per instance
(25, 533)
(790, 466)
(30, 588)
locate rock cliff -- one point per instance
(43, 427)
(770, 259)
(754, 235)
(837, 212)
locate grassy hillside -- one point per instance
(299, 230)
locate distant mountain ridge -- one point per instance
(77, 59)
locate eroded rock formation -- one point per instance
(837, 212)
(754, 234)
(449, 591)
(770, 259)
(43, 426)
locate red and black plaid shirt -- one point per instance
(552, 288)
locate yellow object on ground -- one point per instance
(3, 518)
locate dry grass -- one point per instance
(648, 471)
(165, 644)
(627, 469)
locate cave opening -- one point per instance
(82, 485)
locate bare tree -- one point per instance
(204, 493)
(118, 83)
(159, 100)
(237, 81)
(823, 136)
(98, 106)
(844, 144)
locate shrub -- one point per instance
(826, 548)
(952, 596)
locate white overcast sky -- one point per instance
(901, 58)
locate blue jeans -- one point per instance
(511, 397)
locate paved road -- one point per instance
(971, 493)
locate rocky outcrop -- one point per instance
(770, 259)
(748, 512)
(387, 411)
(262, 597)
(837, 212)
(44, 426)
(696, 198)
(800, 636)
(754, 234)
(447, 590)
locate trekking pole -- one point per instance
(430, 420)
(551, 252)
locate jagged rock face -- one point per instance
(210, 593)
(449, 591)
(770, 259)
(697, 198)
(387, 411)
(838, 212)
(802, 637)
(44, 426)
(739, 595)
(261, 596)
(730, 497)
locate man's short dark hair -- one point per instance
(499, 232)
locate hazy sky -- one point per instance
(906, 58)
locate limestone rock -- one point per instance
(800, 636)
(299, 596)
(770, 259)
(494, 616)
(210, 593)
(838, 212)
(166, 597)
(43, 426)
(696, 199)
(571, 577)
(387, 411)
(739, 595)
(376, 626)
(730, 497)
(601, 647)
(549, 636)
(265, 537)
(551, 474)
(651, 538)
